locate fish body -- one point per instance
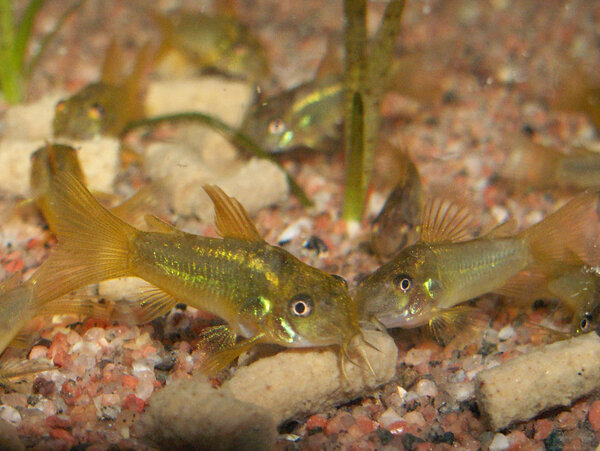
(263, 293)
(304, 117)
(533, 165)
(425, 283)
(397, 224)
(104, 107)
(221, 43)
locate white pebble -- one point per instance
(294, 229)
(506, 333)
(388, 417)
(416, 356)
(415, 417)
(10, 415)
(145, 385)
(46, 406)
(426, 387)
(461, 391)
(499, 443)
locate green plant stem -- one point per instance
(228, 132)
(354, 192)
(10, 81)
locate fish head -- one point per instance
(401, 292)
(95, 110)
(268, 123)
(317, 311)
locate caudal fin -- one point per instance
(569, 236)
(93, 243)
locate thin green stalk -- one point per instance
(10, 82)
(23, 34)
(233, 135)
(354, 192)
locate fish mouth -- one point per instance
(404, 320)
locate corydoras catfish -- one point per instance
(264, 293)
(425, 283)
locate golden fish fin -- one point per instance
(445, 220)
(112, 69)
(223, 357)
(135, 209)
(17, 368)
(503, 230)
(331, 63)
(13, 281)
(447, 323)
(154, 304)
(156, 224)
(568, 236)
(23, 340)
(231, 218)
(76, 305)
(134, 82)
(93, 243)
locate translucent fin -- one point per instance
(445, 220)
(155, 224)
(76, 305)
(446, 323)
(506, 229)
(331, 64)
(23, 340)
(222, 358)
(134, 83)
(12, 282)
(530, 164)
(155, 303)
(526, 286)
(112, 70)
(232, 220)
(134, 210)
(570, 235)
(93, 243)
(16, 368)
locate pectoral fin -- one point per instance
(225, 351)
(447, 323)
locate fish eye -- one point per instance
(585, 322)
(301, 305)
(403, 282)
(341, 279)
(276, 127)
(96, 111)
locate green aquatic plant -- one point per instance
(365, 75)
(16, 67)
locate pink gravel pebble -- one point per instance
(316, 421)
(543, 428)
(129, 381)
(594, 415)
(38, 352)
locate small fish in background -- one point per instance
(51, 159)
(425, 283)
(310, 115)
(577, 91)
(397, 224)
(193, 42)
(577, 287)
(107, 106)
(264, 293)
(532, 165)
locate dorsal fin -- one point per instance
(231, 219)
(331, 64)
(112, 70)
(445, 220)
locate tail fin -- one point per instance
(569, 235)
(529, 164)
(93, 243)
